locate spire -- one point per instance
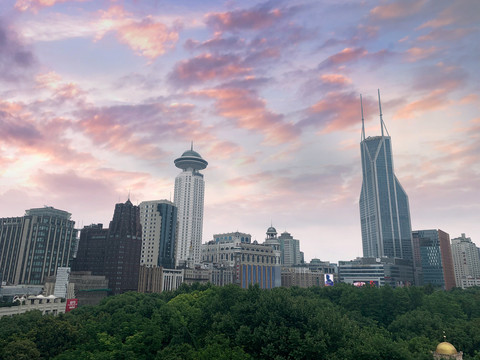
(363, 121)
(192, 146)
(382, 124)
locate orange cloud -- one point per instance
(257, 18)
(397, 10)
(250, 113)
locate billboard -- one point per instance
(328, 279)
(364, 283)
(71, 304)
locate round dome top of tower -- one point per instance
(191, 159)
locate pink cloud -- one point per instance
(336, 111)
(146, 37)
(34, 5)
(208, 67)
(337, 79)
(463, 13)
(445, 35)
(344, 56)
(397, 9)
(250, 113)
(418, 53)
(433, 101)
(256, 19)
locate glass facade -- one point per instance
(384, 208)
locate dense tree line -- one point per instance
(207, 322)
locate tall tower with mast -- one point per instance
(384, 206)
(189, 199)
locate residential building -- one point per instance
(433, 262)
(466, 260)
(32, 247)
(384, 206)
(189, 199)
(159, 233)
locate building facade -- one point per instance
(189, 199)
(156, 279)
(32, 247)
(384, 206)
(159, 233)
(123, 248)
(302, 277)
(376, 271)
(290, 248)
(91, 250)
(433, 262)
(466, 260)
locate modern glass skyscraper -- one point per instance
(188, 198)
(384, 208)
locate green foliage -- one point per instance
(207, 322)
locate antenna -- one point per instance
(192, 146)
(380, 107)
(363, 121)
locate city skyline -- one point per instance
(97, 99)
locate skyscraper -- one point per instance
(159, 233)
(32, 247)
(123, 246)
(189, 198)
(384, 208)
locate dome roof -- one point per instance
(445, 348)
(271, 229)
(191, 153)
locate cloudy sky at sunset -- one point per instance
(97, 98)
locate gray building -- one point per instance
(32, 247)
(466, 260)
(290, 248)
(376, 271)
(384, 206)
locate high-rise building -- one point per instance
(384, 207)
(290, 248)
(32, 247)
(433, 262)
(123, 248)
(189, 198)
(91, 250)
(159, 233)
(465, 260)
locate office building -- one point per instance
(123, 248)
(433, 262)
(156, 279)
(376, 271)
(466, 260)
(159, 233)
(233, 257)
(290, 250)
(32, 247)
(189, 199)
(384, 206)
(302, 277)
(91, 250)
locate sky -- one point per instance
(99, 97)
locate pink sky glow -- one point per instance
(97, 98)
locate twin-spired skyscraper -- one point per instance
(384, 208)
(189, 199)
